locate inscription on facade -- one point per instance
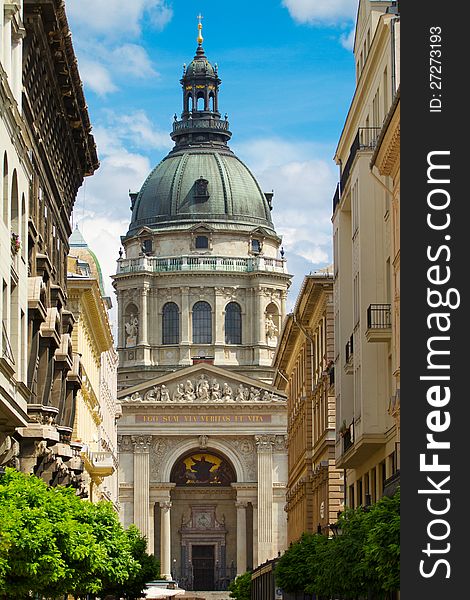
(170, 419)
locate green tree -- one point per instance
(382, 548)
(293, 570)
(149, 570)
(240, 587)
(52, 543)
(364, 559)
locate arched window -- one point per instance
(5, 190)
(200, 102)
(233, 323)
(211, 102)
(171, 323)
(202, 323)
(189, 103)
(14, 208)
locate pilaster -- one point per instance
(141, 482)
(264, 444)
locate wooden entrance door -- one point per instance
(203, 567)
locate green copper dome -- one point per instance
(201, 179)
(200, 185)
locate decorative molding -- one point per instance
(265, 442)
(141, 443)
(202, 391)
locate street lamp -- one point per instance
(336, 527)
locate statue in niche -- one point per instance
(216, 392)
(227, 393)
(271, 330)
(132, 329)
(189, 394)
(178, 395)
(202, 389)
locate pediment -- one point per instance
(202, 384)
(202, 227)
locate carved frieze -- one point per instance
(202, 390)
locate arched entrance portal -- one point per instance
(204, 540)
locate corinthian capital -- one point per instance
(265, 442)
(141, 443)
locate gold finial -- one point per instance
(200, 39)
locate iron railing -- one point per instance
(379, 316)
(366, 139)
(336, 197)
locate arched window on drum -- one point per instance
(233, 323)
(170, 324)
(202, 323)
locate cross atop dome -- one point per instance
(200, 39)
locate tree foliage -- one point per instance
(240, 587)
(364, 559)
(52, 543)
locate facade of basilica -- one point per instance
(201, 289)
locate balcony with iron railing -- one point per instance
(205, 123)
(366, 139)
(154, 264)
(379, 323)
(336, 197)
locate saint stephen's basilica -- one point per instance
(201, 291)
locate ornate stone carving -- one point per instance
(132, 329)
(202, 441)
(165, 506)
(280, 443)
(125, 443)
(265, 442)
(141, 443)
(271, 330)
(202, 391)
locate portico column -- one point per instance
(241, 537)
(255, 534)
(141, 482)
(165, 541)
(264, 445)
(151, 536)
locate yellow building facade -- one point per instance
(304, 370)
(366, 264)
(96, 410)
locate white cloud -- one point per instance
(316, 12)
(102, 208)
(303, 177)
(97, 77)
(347, 40)
(132, 59)
(138, 128)
(115, 18)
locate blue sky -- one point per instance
(287, 73)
